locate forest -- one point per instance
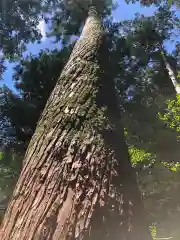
(90, 123)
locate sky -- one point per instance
(123, 12)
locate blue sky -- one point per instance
(124, 12)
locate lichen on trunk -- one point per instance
(77, 181)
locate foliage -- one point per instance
(153, 230)
(155, 2)
(34, 78)
(19, 20)
(159, 185)
(145, 38)
(69, 15)
(172, 114)
(139, 156)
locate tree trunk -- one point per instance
(77, 181)
(171, 73)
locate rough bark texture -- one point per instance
(77, 181)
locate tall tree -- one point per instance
(171, 72)
(76, 171)
(149, 36)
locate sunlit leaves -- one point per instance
(172, 114)
(140, 156)
(153, 230)
(174, 167)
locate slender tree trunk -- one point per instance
(77, 181)
(170, 71)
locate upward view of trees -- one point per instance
(90, 139)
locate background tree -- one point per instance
(34, 78)
(19, 20)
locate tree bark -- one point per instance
(172, 75)
(77, 181)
